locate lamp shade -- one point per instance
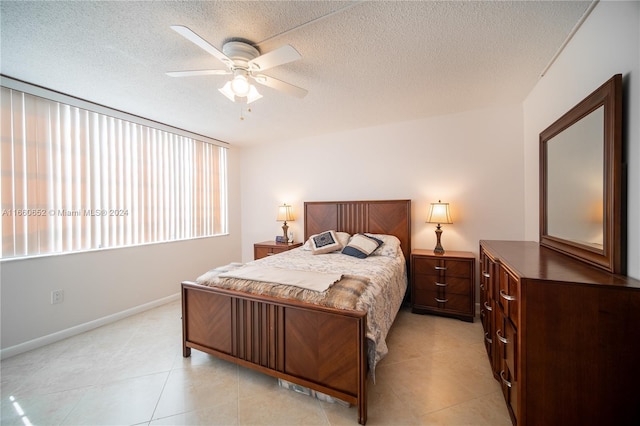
(439, 213)
(253, 94)
(285, 213)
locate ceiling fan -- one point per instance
(245, 63)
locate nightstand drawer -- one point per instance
(447, 284)
(451, 268)
(269, 248)
(443, 302)
(261, 252)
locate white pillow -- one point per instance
(343, 238)
(361, 246)
(325, 242)
(390, 246)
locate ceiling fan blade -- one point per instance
(280, 85)
(281, 55)
(195, 73)
(202, 43)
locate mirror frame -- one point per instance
(611, 257)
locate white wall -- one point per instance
(607, 43)
(473, 160)
(104, 283)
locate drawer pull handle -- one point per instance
(505, 381)
(484, 274)
(507, 297)
(441, 284)
(487, 338)
(482, 287)
(441, 268)
(502, 339)
(441, 300)
(487, 307)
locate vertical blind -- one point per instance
(74, 179)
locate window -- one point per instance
(75, 179)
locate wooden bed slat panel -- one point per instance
(353, 217)
(208, 320)
(384, 219)
(256, 328)
(320, 216)
(325, 349)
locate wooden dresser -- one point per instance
(269, 248)
(562, 337)
(443, 284)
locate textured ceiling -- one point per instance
(363, 63)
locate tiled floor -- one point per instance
(132, 373)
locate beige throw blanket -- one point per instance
(310, 280)
(344, 294)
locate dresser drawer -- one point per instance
(507, 297)
(507, 343)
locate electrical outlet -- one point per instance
(57, 296)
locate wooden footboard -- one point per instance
(313, 346)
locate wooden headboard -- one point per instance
(391, 217)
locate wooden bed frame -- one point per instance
(322, 348)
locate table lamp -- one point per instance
(285, 213)
(439, 213)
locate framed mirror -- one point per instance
(581, 180)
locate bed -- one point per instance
(319, 347)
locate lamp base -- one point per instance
(438, 249)
(285, 230)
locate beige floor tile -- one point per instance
(62, 373)
(198, 387)
(339, 415)
(252, 383)
(471, 413)
(125, 402)
(278, 406)
(50, 409)
(223, 415)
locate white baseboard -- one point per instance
(69, 332)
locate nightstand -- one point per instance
(269, 248)
(443, 284)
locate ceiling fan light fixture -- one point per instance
(240, 85)
(251, 96)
